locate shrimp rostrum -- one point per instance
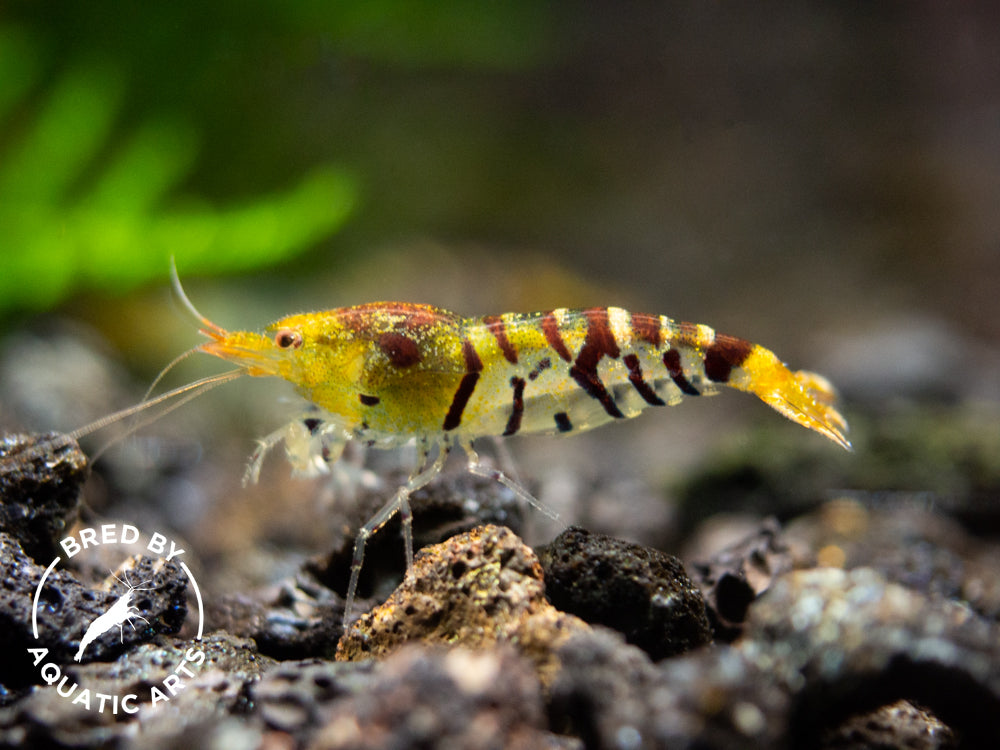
(389, 373)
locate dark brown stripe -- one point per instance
(595, 388)
(473, 366)
(543, 364)
(687, 334)
(462, 395)
(472, 361)
(635, 378)
(498, 328)
(401, 350)
(368, 400)
(550, 327)
(646, 328)
(726, 353)
(517, 410)
(562, 421)
(599, 342)
(672, 360)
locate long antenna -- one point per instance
(189, 391)
(179, 290)
(172, 399)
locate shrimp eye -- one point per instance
(287, 338)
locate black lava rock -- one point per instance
(641, 592)
(734, 577)
(40, 481)
(292, 619)
(66, 607)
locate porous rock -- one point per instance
(292, 619)
(735, 576)
(610, 694)
(908, 542)
(463, 698)
(66, 607)
(454, 503)
(900, 725)
(40, 481)
(641, 592)
(822, 648)
(46, 718)
(475, 589)
(294, 698)
(849, 641)
(218, 689)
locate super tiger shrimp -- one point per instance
(392, 373)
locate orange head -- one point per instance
(254, 353)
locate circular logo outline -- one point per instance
(51, 672)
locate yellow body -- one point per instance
(390, 372)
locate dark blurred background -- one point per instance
(823, 178)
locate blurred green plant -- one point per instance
(495, 35)
(88, 202)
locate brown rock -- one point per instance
(900, 724)
(476, 589)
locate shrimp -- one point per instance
(117, 615)
(390, 373)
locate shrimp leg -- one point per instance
(400, 503)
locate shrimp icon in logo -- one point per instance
(117, 615)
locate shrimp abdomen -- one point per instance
(569, 370)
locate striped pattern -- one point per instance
(725, 353)
(672, 361)
(599, 342)
(498, 328)
(562, 421)
(389, 372)
(473, 368)
(574, 369)
(641, 386)
(550, 324)
(517, 408)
